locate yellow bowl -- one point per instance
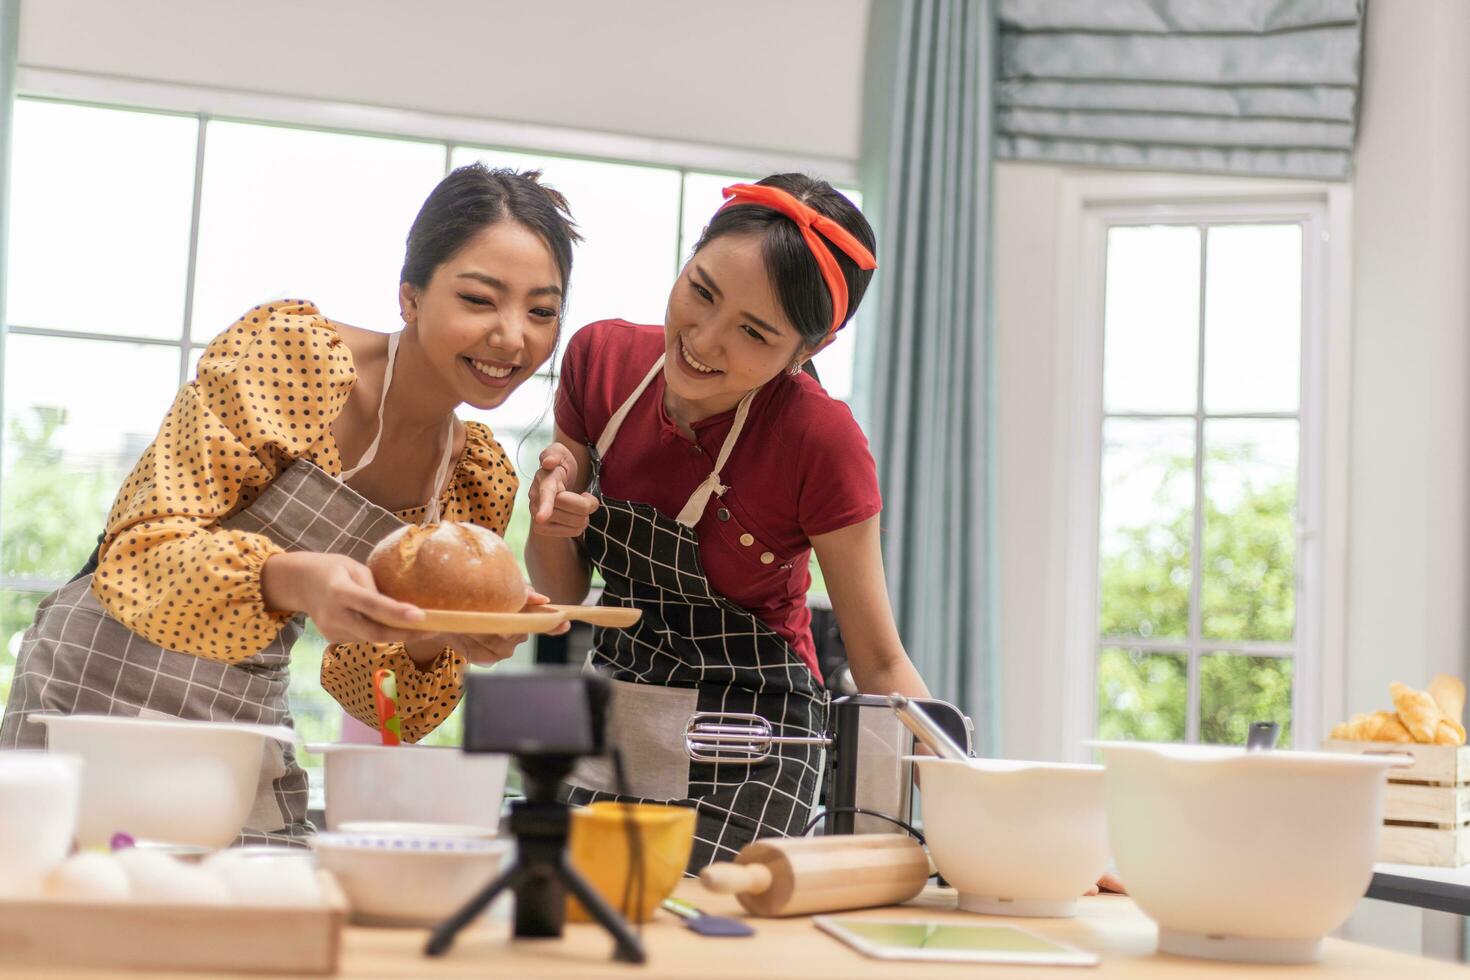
(599, 849)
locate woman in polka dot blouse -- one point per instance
(197, 601)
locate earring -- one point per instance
(794, 369)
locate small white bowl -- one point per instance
(1015, 838)
(1244, 856)
(412, 783)
(409, 881)
(404, 828)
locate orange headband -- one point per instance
(810, 222)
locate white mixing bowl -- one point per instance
(173, 781)
(1243, 856)
(412, 784)
(1015, 838)
(400, 880)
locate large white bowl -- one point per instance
(397, 880)
(173, 781)
(412, 784)
(1243, 856)
(1015, 838)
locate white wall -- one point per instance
(768, 74)
(1408, 526)
(1408, 537)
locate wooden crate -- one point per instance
(1426, 811)
(137, 936)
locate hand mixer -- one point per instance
(866, 742)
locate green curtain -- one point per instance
(926, 163)
(1266, 87)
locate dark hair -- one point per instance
(472, 198)
(799, 284)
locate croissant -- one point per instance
(1449, 732)
(1381, 726)
(1449, 693)
(1417, 710)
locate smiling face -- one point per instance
(489, 315)
(725, 333)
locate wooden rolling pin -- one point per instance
(802, 875)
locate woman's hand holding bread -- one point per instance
(338, 594)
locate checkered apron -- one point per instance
(77, 659)
(714, 655)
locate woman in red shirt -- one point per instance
(697, 466)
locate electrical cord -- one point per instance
(915, 833)
(633, 884)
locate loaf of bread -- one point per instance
(454, 565)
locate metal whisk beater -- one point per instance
(733, 737)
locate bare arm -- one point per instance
(852, 563)
(560, 506)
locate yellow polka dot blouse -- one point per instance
(265, 394)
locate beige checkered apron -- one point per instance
(77, 659)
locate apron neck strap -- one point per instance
(371, 452)
(713, 484)
(441, 477)
(610, 431)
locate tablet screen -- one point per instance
(950, 940)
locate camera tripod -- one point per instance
(541, 875)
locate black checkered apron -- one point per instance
(691, 637)
(77, 659)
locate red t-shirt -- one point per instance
(800, 467)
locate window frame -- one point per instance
(206, 104)
(1090, 206)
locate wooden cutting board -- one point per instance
(543, 620)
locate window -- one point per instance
(119, 274)
(1204, 430)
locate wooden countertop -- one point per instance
(1110, 925)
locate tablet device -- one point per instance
(952, 941)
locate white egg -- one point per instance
(285, 878)
(161, 879)
(90, 875)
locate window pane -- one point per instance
(1248, 587)
(1142, 695)
(69, 446)
(1253, 318)
(303, 214)
(1235, 691)
(115, 189)
(1151, 319)
(17, 610)
(629, 221)
(1147, 527)
(315, 713)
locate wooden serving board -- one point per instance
(146, 937)
(543, 620)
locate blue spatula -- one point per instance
(707, 925)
